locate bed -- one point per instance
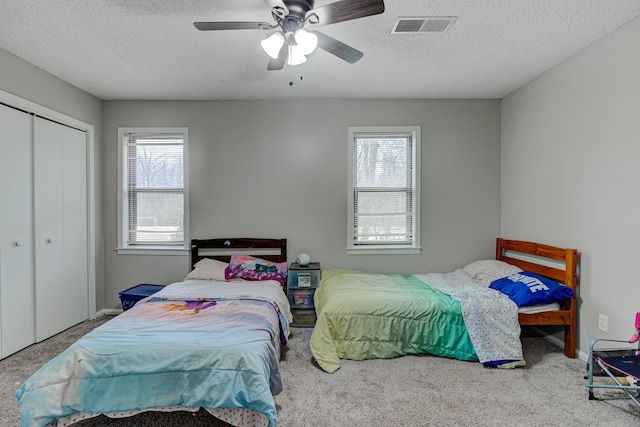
(564, 271)
(212, 341)
(474, 313)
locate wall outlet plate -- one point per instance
(603, 322)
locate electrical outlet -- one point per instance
(603, 322)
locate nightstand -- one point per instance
(302, 282)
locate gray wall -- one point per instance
(279, 169)
(26, 81)
(570, 150)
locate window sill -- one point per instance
(153, 250)
(388, 250)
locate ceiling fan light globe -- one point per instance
(306, 40)
(272, 44)
(295, 57)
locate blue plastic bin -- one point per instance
(131, 296)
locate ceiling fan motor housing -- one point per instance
(290, 24)
(299, 7)
(295, 19)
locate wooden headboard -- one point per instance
(221, 249)
(564, 271)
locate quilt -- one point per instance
(194, 344)
(363, 315)
(491, 317)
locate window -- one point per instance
(384, 194)
(153, 197)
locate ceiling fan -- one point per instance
(291, 43)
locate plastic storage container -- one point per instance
(302, 282)
(131, 296)
(307, 276)
(303, 318)
(303, 298)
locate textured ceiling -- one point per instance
(149, 49)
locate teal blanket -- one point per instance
(219, 352)
(364, 315)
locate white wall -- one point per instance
(279, 169)
(26, 81)
(570, 175)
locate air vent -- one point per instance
(417, 24)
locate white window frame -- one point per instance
(123, 204)
(387, 249)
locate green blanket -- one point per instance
(364, 315)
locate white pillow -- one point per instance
(208, 269)
(487, 270)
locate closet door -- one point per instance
(60, 233)
(16, 268)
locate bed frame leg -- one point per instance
(569, 342)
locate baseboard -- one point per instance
(583, 356)
(108, 312)
(557, 341)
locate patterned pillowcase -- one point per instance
(251, 268)
(208, 269)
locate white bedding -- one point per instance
(490, 316)
(196, 289)
(533, 309)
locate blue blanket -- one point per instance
(167, 352)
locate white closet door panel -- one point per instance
(50, 299)
(75, 225)
(16, 273)
(60, 228)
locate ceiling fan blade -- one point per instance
(278, 63)
(238, 25)
(338, 48)
(344, 10)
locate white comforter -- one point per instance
(491, 317)
(233, 289)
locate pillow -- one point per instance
(488, 270)
(527, 288)
(251, 268)
(208, 269)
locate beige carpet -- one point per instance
(407, 391)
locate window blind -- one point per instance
(383, 189)
(155, 188)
